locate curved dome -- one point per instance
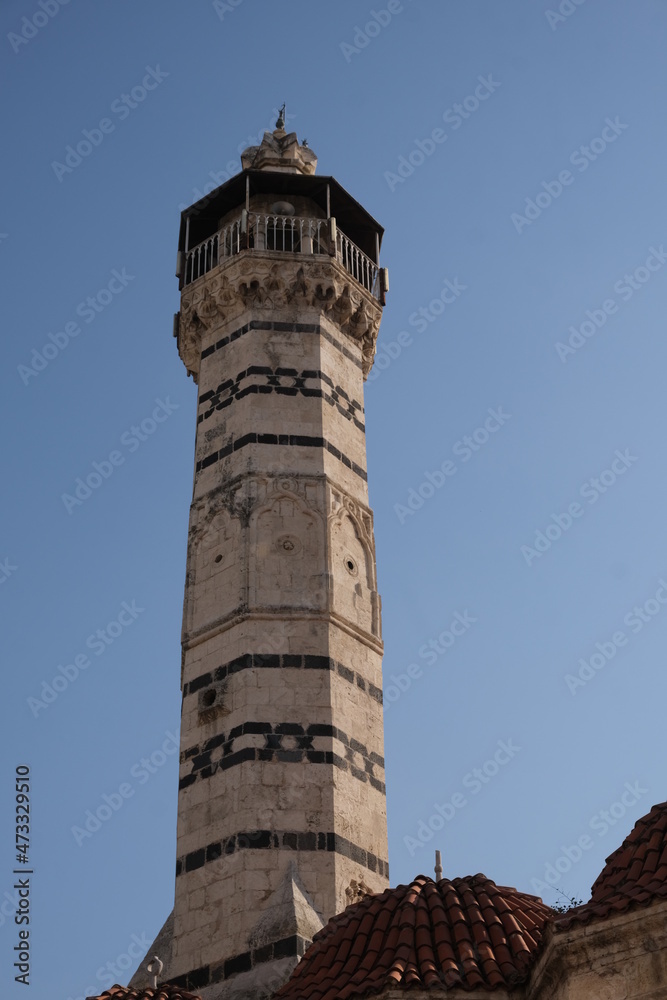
(635, 874)
(467, 933)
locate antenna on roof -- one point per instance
(438, 867)
(154, 968)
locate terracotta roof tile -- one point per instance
(634, 875)
(467, 932)
(164, 992)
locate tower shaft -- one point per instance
(281, 812)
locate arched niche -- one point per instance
(287, 554)
(352, 571)
(217, 567)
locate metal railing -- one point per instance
(358, 264)
(228, 241)
(287, 234)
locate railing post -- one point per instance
(333, 237)
(306, 240)
(260, 233)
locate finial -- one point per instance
(305, 143)
(281, 118)
(154, 968)
(438, 867)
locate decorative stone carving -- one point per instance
(356, 890)
(273, 280)
(282, 151)
(352, 563)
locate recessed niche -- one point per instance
(212, 702)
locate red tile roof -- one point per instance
(165, 992)
(467, 932)
(634, 875)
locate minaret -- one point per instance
(281, 810)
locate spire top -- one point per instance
(280, 124)
(280, 150)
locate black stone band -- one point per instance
(285, 382)
(292, 440)
(273, 661)
(285, 743)
(314, 328)
(208, 975)
(271, 840)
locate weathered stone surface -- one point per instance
(620, 957)
(288, 911)
(282, 794)
(253, 286)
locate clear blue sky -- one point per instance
(540, 199)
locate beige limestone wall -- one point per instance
(622, 957)
(282, 771)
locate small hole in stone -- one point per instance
(350, 565)
(208, 698)
(218, 559)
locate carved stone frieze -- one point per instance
(240, 498)
(340, 504)
(264, 280)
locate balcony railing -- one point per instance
(287, 234)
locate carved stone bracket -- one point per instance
(271, 281)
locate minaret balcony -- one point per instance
(259, 231)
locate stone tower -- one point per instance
(281, 812)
